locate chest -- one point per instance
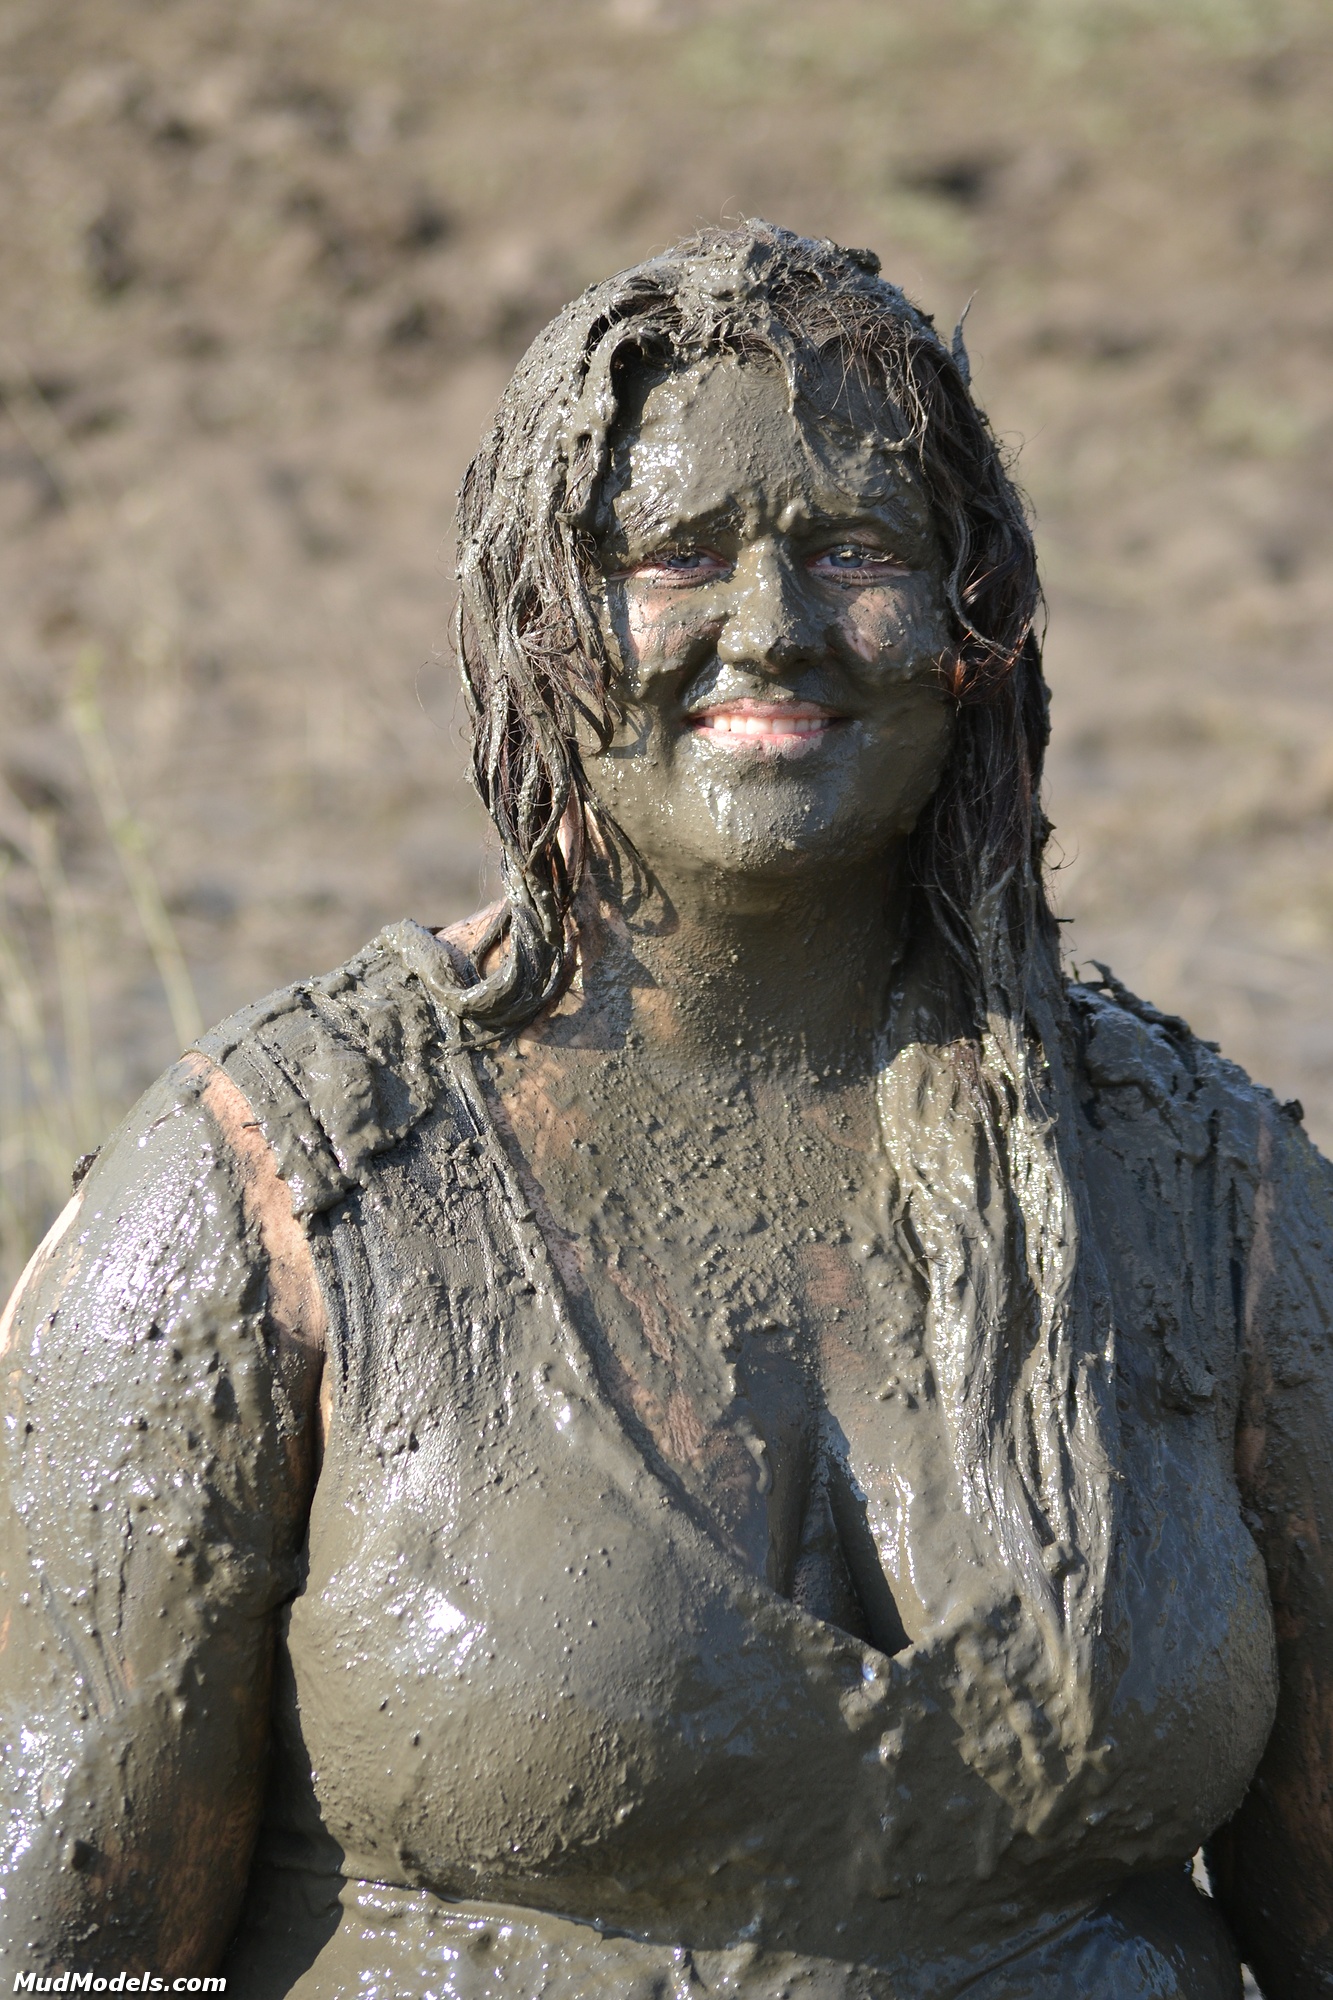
(731, 1253)
(527, 1666)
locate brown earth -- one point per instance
(265, 266)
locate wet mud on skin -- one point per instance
(154, 1525)
(390, 1606)
(732, 1487)
(731, 1231)
(728, 522)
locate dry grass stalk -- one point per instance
(127, 837)
(52, 1104)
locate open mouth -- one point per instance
(786, 728)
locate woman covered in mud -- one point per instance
(719, 1429)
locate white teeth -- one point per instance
(742, 724)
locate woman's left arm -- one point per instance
(1272, 1865)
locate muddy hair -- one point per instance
(533, 650)
(1020, 1337)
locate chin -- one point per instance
(761, 816)
(785, 847)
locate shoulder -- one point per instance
(1206, 1189)
(1142, 1072)
(1126, 1043)
(134, 1187)
(340, 1068)
(319, 1077)
(152, 1257)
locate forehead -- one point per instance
(725, 435)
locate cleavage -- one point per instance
(705, 1269)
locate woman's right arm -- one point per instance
(160, 1370)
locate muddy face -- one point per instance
(776, 591)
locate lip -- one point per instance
(766, 728)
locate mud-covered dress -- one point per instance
(533, 1730)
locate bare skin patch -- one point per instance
(295, 1303)
(37, 1263)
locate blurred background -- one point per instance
(265, 267)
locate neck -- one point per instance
(709, 970)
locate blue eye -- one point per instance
(850, 557)
(688, 564)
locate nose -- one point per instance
(770, 621)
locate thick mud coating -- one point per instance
(585, 1648)
(788, 1471)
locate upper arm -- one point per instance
(1273, 1864)
(157, 1457)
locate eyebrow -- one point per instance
(643, 522)
(639, 522)
(891, 512)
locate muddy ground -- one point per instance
(266, 263)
